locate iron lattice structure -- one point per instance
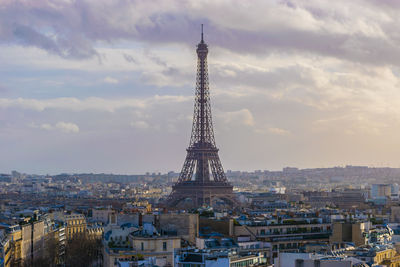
(202, 178)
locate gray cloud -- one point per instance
(129, 58)
(72, 28)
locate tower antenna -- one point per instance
(202, 39)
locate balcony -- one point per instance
(296, 236)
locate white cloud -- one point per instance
(46, 126)
(110, 80)
(271, 130)
(140, 124)
(91, 103)
(278, 131)
(67, 127)
(238, 117)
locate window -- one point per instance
(299, 263)
(164, 246)
(142, 246)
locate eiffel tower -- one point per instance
(202, 178)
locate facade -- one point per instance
(349, 199)
(33, 241)
(127, 243)
(185, 225)
(75, 224)
(312, 260)
(285, 237)
(5, 249)
(346, 199)
(395, 214)
(116, 256)
(381, 190)
(224, 258)
(33, 236)
(101, 215)
(95, 232)
(15, 234)
(377, 256)
(60, 237)
(354, 232)
(159, 248)
(149, 262)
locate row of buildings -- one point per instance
(32, 239)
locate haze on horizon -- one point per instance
(108, 86)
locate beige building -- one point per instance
(381, 190)
(311, 260)
(159, 247)
(101, 215)
(153, 236)
(5, 248)
(95, 232)
(32, 246)
(395, 214)
(355, 232)
(184, 225)
(15, 235)
(378, 256)
(284, 237)
(29, 241)
(74, 223)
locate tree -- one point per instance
(52, 250)
(82, 251)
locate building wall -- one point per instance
(349, 232)
(245, 261)
(395, 214)
(152, 247)
(358, 230)
(306, 260)
(110, 257)
(101, 215)
(156, 247)
(6, 250)
(32, 240)
(75, 224)
(16, 239)
(381, 190)
(223, 262)
(285, 237)
(186, 225)
(327, 263)
(381, 256)
(337, 233)
(289, 259)
(221, 227)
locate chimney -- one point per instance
(140, 219)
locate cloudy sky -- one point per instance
(107, 85)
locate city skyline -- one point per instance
(87, 87)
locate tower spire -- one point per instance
(202, 37)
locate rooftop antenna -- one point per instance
(202, 39)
